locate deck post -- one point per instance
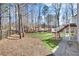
(69, 32)
(64, 33)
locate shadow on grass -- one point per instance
(51, 42)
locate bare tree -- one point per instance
(39, 13)
(49, 19)
(16, 18)
(22, 27)
(19, 19)
(0, 24)
(32, 16)
(9, 20)
(71, 7)
(57, 8)
(65, 14)
(27, 14)
(45, 11)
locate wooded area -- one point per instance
(32, 17)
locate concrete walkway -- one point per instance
(66, 48)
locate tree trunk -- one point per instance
(44, 20)
(27, 19)
(48, 24)
(58, 21)
(38, 22)
(22, 27)
(35, 24)
(0, 24)
(39, 17)
(16, 18)
(9, 22)
(32, 19)
(19, 21)
(0, 30)
(66, 14)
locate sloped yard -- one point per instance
(46, 38)
(27, 46)
(33, 44)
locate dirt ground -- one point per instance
(27, 46)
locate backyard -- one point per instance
(36, 29)
(33, 44)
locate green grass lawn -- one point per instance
(46, 38)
